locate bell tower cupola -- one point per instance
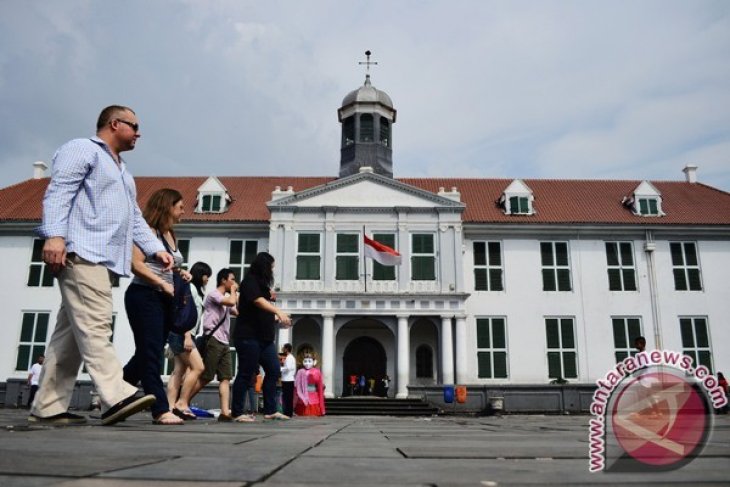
(367, 117)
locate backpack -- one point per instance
(184, 311)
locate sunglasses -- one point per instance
(133, 126)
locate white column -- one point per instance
(461, 351)
(328, 354)
(447, 351)
(284, 336)
(404, 354)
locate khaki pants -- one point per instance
(83, 329)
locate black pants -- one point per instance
(287, 397)
(31, 396)
(148, 311)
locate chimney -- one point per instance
(690, 172)
(39, 170)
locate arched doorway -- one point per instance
(363, 356)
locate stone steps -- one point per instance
(363, 406)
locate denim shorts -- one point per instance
(177, 343)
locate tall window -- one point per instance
(347, 257)
(491, 348)
(625, 331)
(696, 340)
(424, 362)
(348, 131)
(423, 257)
(384, 272)
(242, 253)
(40, 274)
(183, 245)
(685, 266)
(384, 131)
(519, 205)
(555, 266)
(308, 256)
(367, 129)
(561, 352)
(488, 266)
(33, 332)
(621, 271)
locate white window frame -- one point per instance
(38, 265)
(241, 268)
(621, 353)
(555, 267)
(488, 266)
(355, 254)
(33, 344)
(694, 349)
(318, 254)
(492, 350)
(621, 267)
(432, 256)
(684, 267)
(561, 349)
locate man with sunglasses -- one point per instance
(90, 222)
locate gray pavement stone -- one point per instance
(338, 450)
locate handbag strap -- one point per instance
(225, 315)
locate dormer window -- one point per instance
(211, 203)
(517, 199)
(645, 201)
(648, 207)
(212, 197)
(519, 205)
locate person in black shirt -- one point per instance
(254, 336)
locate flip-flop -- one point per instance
(167, 421)
(186, 414)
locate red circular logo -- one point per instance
(660, 418)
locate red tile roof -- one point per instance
(556, 201)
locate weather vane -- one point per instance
(367, 62)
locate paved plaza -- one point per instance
(337, 450)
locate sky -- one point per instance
(505, 89)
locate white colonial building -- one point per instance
(504, 283)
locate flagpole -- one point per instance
(364, 263)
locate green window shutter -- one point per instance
(183, 246)
(41, 328)
(548, 280)
(423, 268)
(23, 361)
(484, 361)
(614, 279)
(690, 254)
(561, 253)
(383, 272)
(694, 281)
(347, 268)
(308, 267)
(498, 333)
(308, 242)
(495, 254)
(653, 208)
(566, 333)
(554, 368)
(563, 280)
(552, 332)
(34, 276)
(206, 202)
(422, 244)
(26, 329)
(705, 358)
(634, 325)
(546, 253)
(251, 251)
(629, 280)
(680, 279)
(483, 340)
(627, 256)
(495, 280)
(643, 207)
(570, 368)
(480, 254)
(703, 339)
(347, 242)
(500, 365)
(619, 333)
(514, 205)
(675, 249)
(216, 206)
(480, 280)
(685, 326)
(611, 253)
(621, 356)
(236, 252)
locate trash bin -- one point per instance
(461, 394)
(448, 394)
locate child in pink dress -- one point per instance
(308, 389)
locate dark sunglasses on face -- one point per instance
(133, 126)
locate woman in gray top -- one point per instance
(149, 302)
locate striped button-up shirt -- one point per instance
(92, 203)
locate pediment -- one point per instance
(212, 185)
(645, 188)
(518, 187)
(365, 190)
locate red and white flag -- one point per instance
(380, 253)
